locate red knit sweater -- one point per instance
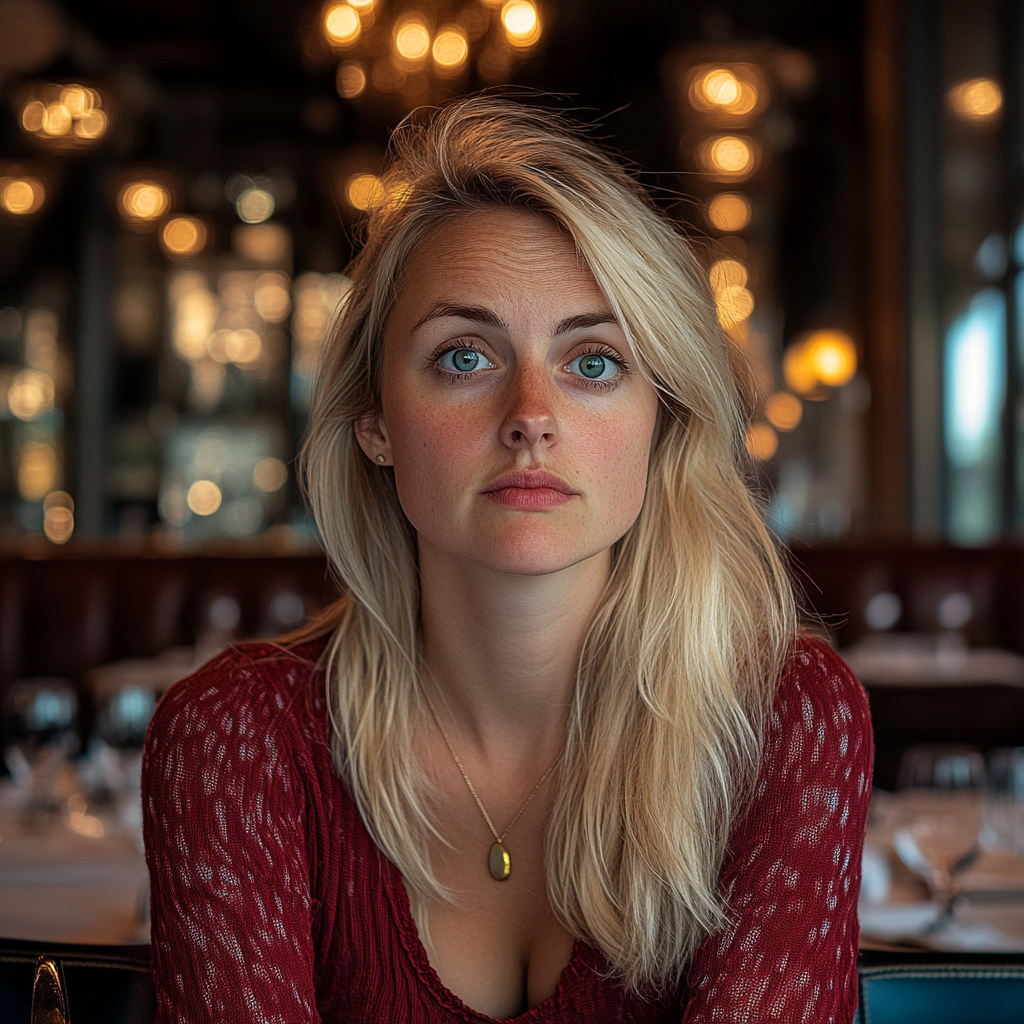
(272, 904)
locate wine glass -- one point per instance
(40, 718)
(938, 818)
(1004, 800)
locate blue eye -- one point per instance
(463, 360)
(594, 366)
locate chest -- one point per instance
(372, 967)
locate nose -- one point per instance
(530, 417)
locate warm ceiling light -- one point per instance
(37, 470)
(729, 211)
(762, 442)
(342, 25)
(412, 39)
(58, 524)
(57, 119)
(728, 156)
(270, 475)
(92, 125)
(272, 298)
(350, 80)
(204, 497)
(725, 274)
(183, 236)
(833, 357)
(450, 49)
(364, 190)
(977, 99)
(735, 90)
(144, 201)
(30, 394)
(784, 411)
(63, 116)
(21, 195)
(521, 21)
(735, 304)
(822, 357)
(255, 205)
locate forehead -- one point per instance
(499, 256)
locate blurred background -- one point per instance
(180, 189)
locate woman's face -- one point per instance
(517, 422)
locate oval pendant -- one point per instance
(500, 863)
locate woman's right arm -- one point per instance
(226, 843)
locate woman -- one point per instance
(559, 754)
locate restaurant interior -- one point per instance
(181, 191)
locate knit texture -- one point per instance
(271, 903)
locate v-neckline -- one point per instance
(417, 954)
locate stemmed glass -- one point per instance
(40, 718)
(1004, 804)
(939, 818)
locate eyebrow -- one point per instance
(487, 317)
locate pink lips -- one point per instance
(529, 489)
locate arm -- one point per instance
(792, 872)
(226, 844)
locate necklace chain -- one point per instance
(483, 810)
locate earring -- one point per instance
(380, 458)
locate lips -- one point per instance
(529, 489)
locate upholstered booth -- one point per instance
(941, 988)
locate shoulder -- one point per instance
(817, 684)
(249, 691)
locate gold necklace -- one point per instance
(499, 861)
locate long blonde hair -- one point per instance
(681, 661)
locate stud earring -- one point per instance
(380, 459)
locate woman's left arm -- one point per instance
(792, 872)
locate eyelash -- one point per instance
(590, 350)
(607, 353)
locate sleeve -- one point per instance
(792, 872)
(226, 846)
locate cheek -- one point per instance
(619, 450)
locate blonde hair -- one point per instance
(678, 669)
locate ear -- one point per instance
(372, 435)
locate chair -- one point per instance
(105, 984)
(940, 988)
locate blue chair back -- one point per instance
(941, 988)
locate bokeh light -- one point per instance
(734, 91)
(726, 273)
(270, 475)
(30, 394)
(521, 22)
(412, 39)
(182, 237)
(255, 205)
(65, 116)
(977, 99)
(143, 202)
(272, 298)
(450, 49)
(729, 211)
(58, 517)
(734, 304)
(350, 80)
(363, 190)
(784, 411)
(731, 157)
(342, 26)
(821, 358)
(762, 441)
(37, 471)
(833, 356)
(204, 497)
(21, 194)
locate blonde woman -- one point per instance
(559, 754)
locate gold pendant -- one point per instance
(500, 863)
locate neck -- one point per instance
(501, 651)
